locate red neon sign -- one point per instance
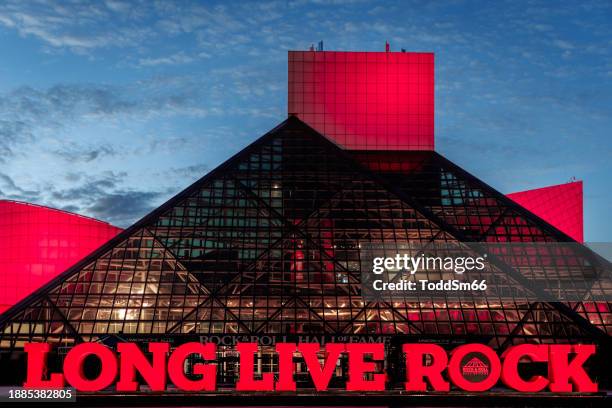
(566, 371)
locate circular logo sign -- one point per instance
(475, 367)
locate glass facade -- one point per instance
(559, 205)
(38, 243)
(365, 100)
(269, 244)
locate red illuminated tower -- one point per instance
(365, 100)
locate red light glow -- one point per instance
(38, 243)
(560, 206)
(365, 100)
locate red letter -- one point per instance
(561, 371)
(246, 382)
(416, 370)
(176, 369)
(133, 359)
(285, 366)
(321, 376)
(73, 367)
(455, 367)
(510, 375)
(37, 365)
(358, 367)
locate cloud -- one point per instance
(166, 144)
(71, 101)
(124, 207)
(26, 113)
(175, 59)
(13, 131)
(104, 197)
(77, 153)
(196, 170)
(79, 26)
(10, 190)
(84, 27)
(564, 45)
(91, 189)
(185, 174)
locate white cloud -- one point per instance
(174, 59)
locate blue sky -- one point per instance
(109, 108)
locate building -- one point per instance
(560, 205)
(365, 100)
(37, 243)
(267, 245)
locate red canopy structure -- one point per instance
(37, 243)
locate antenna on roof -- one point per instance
(320, 46)
(387, 46)
(311, 47)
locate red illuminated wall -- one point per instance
(559, 205)
(37, 243)
(365, 100)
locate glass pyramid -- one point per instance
(269, 243)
